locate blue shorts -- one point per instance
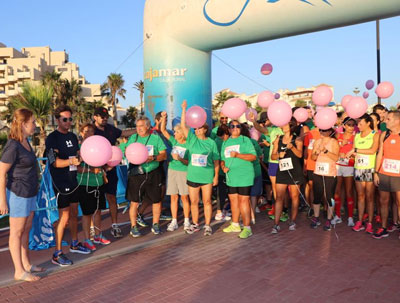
(272, 169)
(112, 185)
(257, 188)
(19, 207)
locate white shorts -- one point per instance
(176, 183)
(345, 171)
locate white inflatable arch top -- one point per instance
(180, 35)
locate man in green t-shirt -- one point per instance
(144, 181)
(382, 112)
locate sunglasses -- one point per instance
(66, 119)
(235, 126)
(223, 118)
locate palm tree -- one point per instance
(38, 99)
(140, 87)
(53, 80)
(114, 87)
(130, 117)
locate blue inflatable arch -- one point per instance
(181, 34)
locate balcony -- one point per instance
(3, 81)
(3, 95)
(11, 78)
(3, 66)
(22, 75)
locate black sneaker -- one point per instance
(79, 248)
(116, 231)
(61, 260)
(141, 221)
(315, 222)
(328, 225)
(135, 232)
(380, 233)
(156, 229)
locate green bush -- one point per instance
(3, 140)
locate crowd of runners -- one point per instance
(350, 173)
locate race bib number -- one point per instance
(391, 166)
(179, 150)
(311, 144)
(199, 160)
(230, 149)
(343, 161)
(362, 160)
(285, 164)
(322, 168)
(150, 149)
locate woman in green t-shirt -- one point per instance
(237, 155)
(91, 196)
(177, 174)
(202, 173)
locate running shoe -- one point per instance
(284, 217)
(89, 245)
(328, 225)
(187, 229)
(172, 226)
(264, 207)
(315, 222)
(165, 218)
(116, 231)
(350, 222)
(228, 216)
(100, 239)
(135, 232)
(156, 229)
(272, 217)
(61, 260)
(232, 229)
(207, 230)
(246, 232)
(141, 221)
(271, 211)
(365, 217)
(369, 229)
(275, 229)
(359, 226)
(79, 248)
(292, 226)
(378, 219)
(392, 227)
(257, 210)
(336, 220)
(194, 228)
(220, 217)
(380, 233)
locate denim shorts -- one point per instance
(19, 207)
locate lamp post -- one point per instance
(378, 56)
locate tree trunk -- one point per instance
(115, 117)
(42, 142)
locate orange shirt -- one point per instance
(391, 156)
(309, 140)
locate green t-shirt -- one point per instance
(177, 148)
(122, 146)
(202, 154)
(241, 172)
(213, 134)
(256, 163)
(383, 127)
(219, 142)
(90, 179)
(273, 133)
(265, 149)
(154, 145)
(310, 124)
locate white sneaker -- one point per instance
(172, 226)
(336, 220)
(207, 230)
(219, 217)
(292, 226)
(227, 216)
(257, 210)
(350, 222)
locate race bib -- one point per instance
(362, 160)
(322, 168)
(230, 149)
(199, 160)
(391, 166)
(179, 150)
(72, 167)
(150, 149)
(343, 161)
(285, 164)
(311, 144)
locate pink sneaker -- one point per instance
(89, 245)
(369, 229)
(358, 226)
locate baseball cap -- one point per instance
(101, 111)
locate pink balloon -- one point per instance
(325, 118)
(266, 69)
(357, 107)
(365, 95)
(255, 134)
(322, 95)
(96, 151)
(234, 108)
(279, 113)
(345, 100)
(116, 156)
(196, 116)
(384, 90)
(301, 114)
(136, 153)
(265, 98)
(251, 110)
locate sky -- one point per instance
(100, 36)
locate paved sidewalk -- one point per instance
(302, 266)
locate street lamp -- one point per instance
(356, 91)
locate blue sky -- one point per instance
(100, 35)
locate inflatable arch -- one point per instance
(181, 34)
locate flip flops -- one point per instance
(27, 277)
(35, 268)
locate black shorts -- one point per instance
(194, 184)
(91, 198)
(310, 175)
(243, 190)
(162, 173)
(265, 176)
(65, 199)
(111, 186)
(146, 187)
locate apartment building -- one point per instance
(31, 63)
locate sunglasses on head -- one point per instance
(232, 126)
(66, 119)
